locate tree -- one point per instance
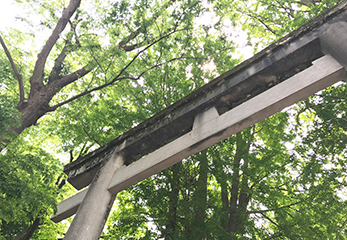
(157, 35)
(30, 186)
(257, 188)
(154, 28)
(254, 186)
(83, 59)
(105, 69)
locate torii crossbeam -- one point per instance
(297, 66)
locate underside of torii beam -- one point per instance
(297, 66)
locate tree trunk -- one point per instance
(243, 198)
(235, 187)
(34, 108)
(221, 177)
(200, 198)
(245, 194)
(240, 149)
(37, 104)
(33, 227)
(225, 202)
(27, 233)
(172, 226)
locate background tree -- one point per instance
(88, 52)
(107, 66)
(259, 186)
(280, 179)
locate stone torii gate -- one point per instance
(297, 66)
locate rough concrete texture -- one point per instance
(275, 64)
(210, 127)
(223, 94)
(93, 211)
(334, 41)
(69, 206)
(324, 72)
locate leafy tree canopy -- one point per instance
(105, 66)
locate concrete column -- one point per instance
(95, 208)
(334, 41)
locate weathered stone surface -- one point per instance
(210, 127)
(97, 203)
(275, 64)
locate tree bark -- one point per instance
(239, 194)
(15, 70)
(200, 198)
(33, 227)
(37, 104)
(172, 226)
(235, 185)
(245, 191)
(221, 177)
(27, 233)
(41, 93)
(226, 209)
(36, 80)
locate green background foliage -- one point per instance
(283, 178)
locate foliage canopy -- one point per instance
(108, 65)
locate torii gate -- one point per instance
(295, 67)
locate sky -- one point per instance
(8, 11)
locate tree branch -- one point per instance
(70, 78)
(258, 181)
(123, 44)
(260, 20)
(91, 137)
(117, 78)
(15, 70)
(343, 224)
(270, 210)
(56, 70)
(274, 236)
(36, 79)
(269, 219)
(164, 63)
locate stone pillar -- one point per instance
(95, 208)
(334, 41)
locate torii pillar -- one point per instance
(92, 214)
